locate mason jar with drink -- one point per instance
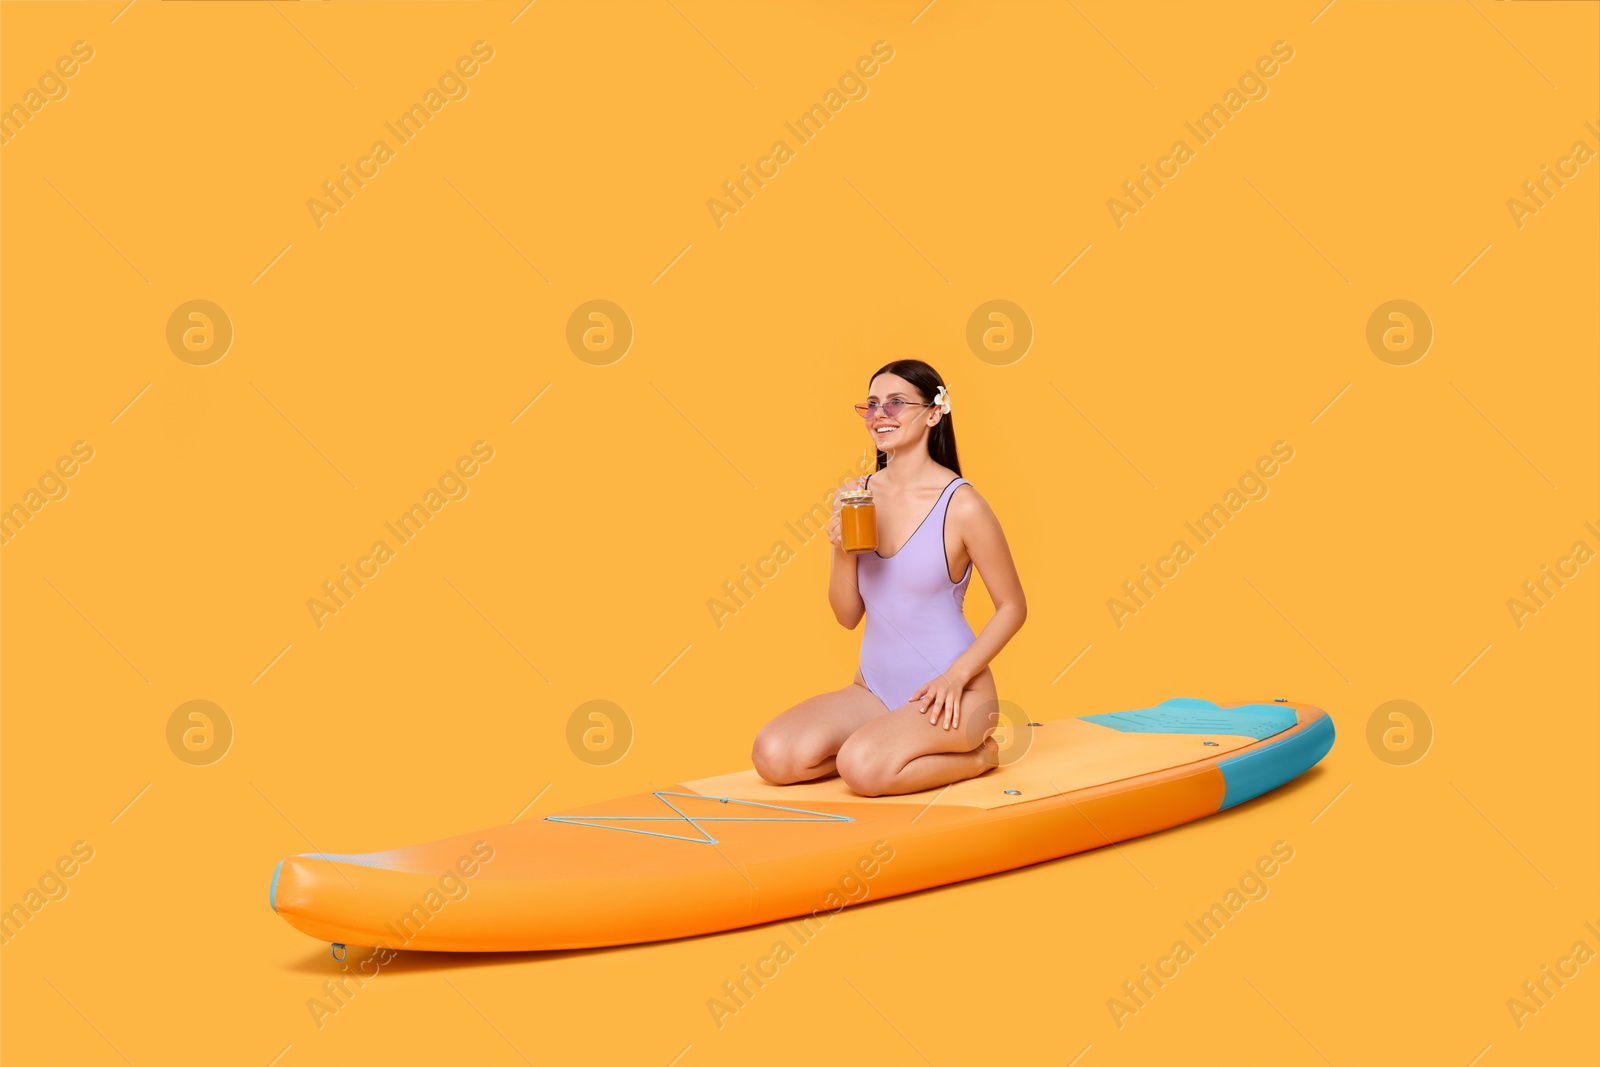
(858, 520)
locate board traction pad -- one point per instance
(1186, 715)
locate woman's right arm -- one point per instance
(844, 596)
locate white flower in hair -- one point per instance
(941, 400)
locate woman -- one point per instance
(886, 733)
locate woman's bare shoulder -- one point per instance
(968, 505)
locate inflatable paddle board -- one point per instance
(730, 851)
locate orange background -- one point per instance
(1229, 313)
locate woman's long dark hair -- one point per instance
(942, 442)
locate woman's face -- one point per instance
(906, 427)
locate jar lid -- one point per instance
(855, 496)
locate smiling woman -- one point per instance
(921, 664)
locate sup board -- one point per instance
(730, 851)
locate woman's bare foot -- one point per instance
(988, 753)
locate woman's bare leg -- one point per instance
(900, 753)
(800, 744)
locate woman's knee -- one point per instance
(768, 756)
(781, 756)
(863, 767)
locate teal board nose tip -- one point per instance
(272, 894)
(1254, 773)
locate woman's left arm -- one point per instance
(991, 557)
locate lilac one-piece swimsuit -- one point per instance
(915, 626)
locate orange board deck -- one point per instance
(733, 850)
